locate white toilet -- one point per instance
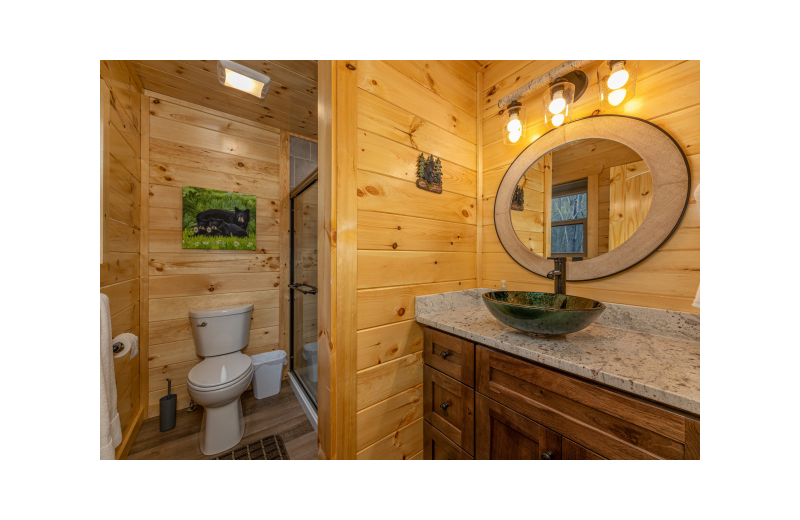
(310, 355)
(217, 382)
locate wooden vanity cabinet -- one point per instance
(486, 404)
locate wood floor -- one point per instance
(280, 414)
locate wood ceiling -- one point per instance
(591, 156)
(291, 103)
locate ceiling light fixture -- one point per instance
(231, 74)
(513, 123)
(617, 81)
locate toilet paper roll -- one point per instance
(130, 344)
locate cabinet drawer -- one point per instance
(439, 447)
(612, 425)
(450, 355)
(503, 434)
(448, 405)
(574, 451)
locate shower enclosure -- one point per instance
(303, 330)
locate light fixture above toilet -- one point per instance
(231, 74)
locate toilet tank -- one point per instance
(221, 331)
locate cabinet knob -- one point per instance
(444, 406)
(444, 354)
(548, 455)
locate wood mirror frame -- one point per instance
(671, 184)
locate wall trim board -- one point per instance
(479, 184)
(144, 251)
(285, 241)
(337, 266)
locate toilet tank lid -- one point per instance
(220, 311)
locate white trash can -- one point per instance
(267, 369)
(310, 355)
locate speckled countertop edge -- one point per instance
(657, 367)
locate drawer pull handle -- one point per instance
(444, 354)
(444, 406)
(548, 455)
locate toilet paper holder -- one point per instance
(117, 347)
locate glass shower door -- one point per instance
(304, 287)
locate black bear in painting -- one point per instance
(215, 227)
(238, 217)
(232, 230)
(220, 228)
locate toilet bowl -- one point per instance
(217, 382)
(310, 355)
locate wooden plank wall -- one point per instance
(192, 145)
(119, 270)
(668, 95)
(410, 242)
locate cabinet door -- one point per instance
(503, 434)
(574, 451)
(439, 447)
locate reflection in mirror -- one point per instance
(582, 200)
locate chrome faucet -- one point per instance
(559, 274)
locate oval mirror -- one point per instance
(604, 191)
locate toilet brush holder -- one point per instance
(169, 409)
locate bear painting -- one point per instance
(214, 219)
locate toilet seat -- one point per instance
(220, 372)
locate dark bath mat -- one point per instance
(268, 448)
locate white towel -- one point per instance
(696, 302)
(128, 339)
(110, 430)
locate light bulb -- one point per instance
(514, 135)
(558, 103)
(240, 82)
(616, 97)
(618, 79)
(557, 119)
(514, 126)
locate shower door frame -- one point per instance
(296, 192)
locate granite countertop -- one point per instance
(651, 353)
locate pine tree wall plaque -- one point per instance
(518, 199)
(429, 174)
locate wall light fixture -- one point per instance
(617, 80)
(557, 102)
(513, 123)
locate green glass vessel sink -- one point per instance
(543, 313)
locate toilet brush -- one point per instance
(169, 408)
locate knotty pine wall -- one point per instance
(410, 242)
(120, 269)
(190, 145)
(668, 95)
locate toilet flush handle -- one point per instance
(202, 324)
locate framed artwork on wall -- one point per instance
(214, 219)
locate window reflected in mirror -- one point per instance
(582, 200)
